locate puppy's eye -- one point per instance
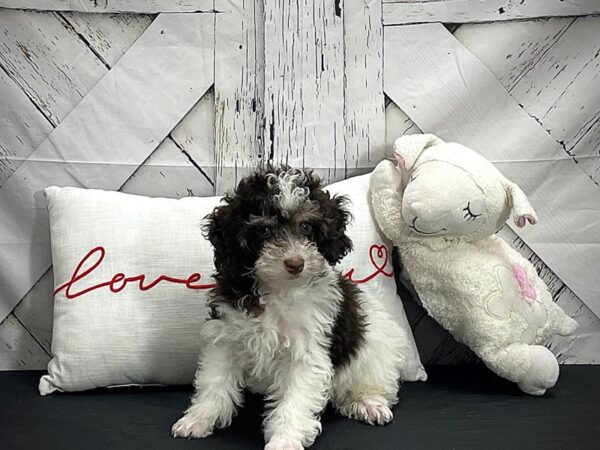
(306, 228)
(264, 231)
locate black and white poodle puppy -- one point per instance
(284, 322)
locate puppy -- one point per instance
(284, 322)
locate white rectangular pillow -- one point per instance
(370, 263)
(132, 275)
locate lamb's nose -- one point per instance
(294, 264)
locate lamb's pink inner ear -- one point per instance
(523, 219)
(400, 160)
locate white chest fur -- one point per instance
(295, 324)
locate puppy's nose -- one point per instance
(294, 264)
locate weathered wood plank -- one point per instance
(173, 79)
(26, 119)
(397, 124)
(239, 88)
(195, 135)
(113, 6)
(364, 110)
(109, 36)
(304, 85)
(401, 12)
(583, 347)
(448, 91)
(35, 311)
(54, 77)
(22, 127)
(168, 172)
(18, 350)
(511, 50)
(586, 148)
(558, 85)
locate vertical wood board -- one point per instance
(364, 105)
(304, 85)
(238, 90)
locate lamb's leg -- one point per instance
(561, 322)
(533, 367)
(218, 392)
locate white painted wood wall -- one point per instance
(325, 84)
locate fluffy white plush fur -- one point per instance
(441, 207)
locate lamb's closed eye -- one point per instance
(469, 214)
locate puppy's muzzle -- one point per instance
(294, 264)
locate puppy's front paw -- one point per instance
(192, 427)
(283, 443)
(376, 413)
(371, 410)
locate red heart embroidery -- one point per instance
(379, 256)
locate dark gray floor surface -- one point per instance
(459, 407)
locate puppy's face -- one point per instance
(279, 229)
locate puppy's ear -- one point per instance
(218, 226)
(334, 243)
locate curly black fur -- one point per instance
(348, 333)
(237, 244)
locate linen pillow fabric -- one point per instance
(123, 313)
(370, 263)
(132, 276)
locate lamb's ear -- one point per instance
(522, 210)
(407, 149)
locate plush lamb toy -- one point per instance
(442, 206)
